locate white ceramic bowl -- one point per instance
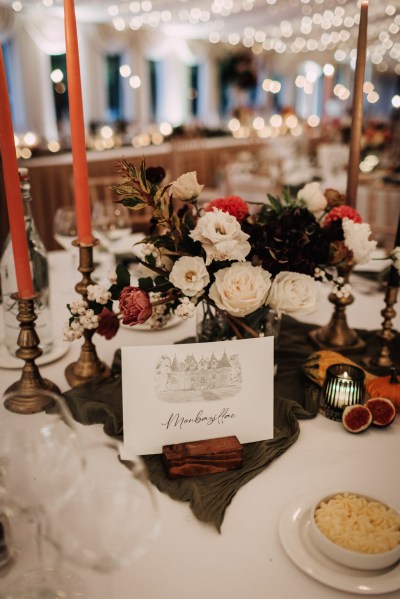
(349, 557)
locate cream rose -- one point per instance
(293, 293)
(395, 256)
(312, 197)
(221, 237)
(186, 187)
(190, 275)
(240, 288)
(356, 239)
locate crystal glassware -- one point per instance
(41, 468)
(40, 277)
(113, 518)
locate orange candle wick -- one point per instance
(13, 192)
(78, 141)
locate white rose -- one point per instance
(190, 275)
(240, 288)
(221, 237)
(356, 239)
(293, 293)
(312, 197)
(395, 256)
(186, 188)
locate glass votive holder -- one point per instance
(343, 386)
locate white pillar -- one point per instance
(173, 85)
(36, 88)
(93, 78)
(208, 92)
(142, 97)
(129, 95)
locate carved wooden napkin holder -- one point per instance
(196, 458)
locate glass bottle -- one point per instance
(40, 277)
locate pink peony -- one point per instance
(135, 306)
(234, 205)
(108, 324)
(340, 212)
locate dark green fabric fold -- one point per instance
(209, 496)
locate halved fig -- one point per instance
(356, 418)
(382, 410)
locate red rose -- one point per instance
(135, 306)
(234, 205)
(108, 324)
(340, 212)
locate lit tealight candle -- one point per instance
(343, 386)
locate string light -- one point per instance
(311, 25)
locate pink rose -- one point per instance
(340, 212)
(135, 306)
(108, 324)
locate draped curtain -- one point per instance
(36, 36)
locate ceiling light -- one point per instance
(125, 70)
(135, 82)
(328, 69)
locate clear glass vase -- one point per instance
(211, 325)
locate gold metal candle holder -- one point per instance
(337, 334)
(88, 365)
(29, 393)
(382, 360)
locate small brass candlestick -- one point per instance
(337, 334)
(88, 366)
(28, 394)
(382, 360)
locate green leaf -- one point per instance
(123, 275)
(146, 283)
(275, 203)
(97, 308)
(160, 280)
(115, 291)
(134, 203)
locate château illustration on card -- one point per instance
(190, 392)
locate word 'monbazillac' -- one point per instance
(177, 420)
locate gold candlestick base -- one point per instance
(88, 365)
(382, 361)
(28, 395)
(337, 335)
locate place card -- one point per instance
(196, 391)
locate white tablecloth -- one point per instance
(190, 559)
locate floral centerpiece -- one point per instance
(240, 267)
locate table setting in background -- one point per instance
(222, 360)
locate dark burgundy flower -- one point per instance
(234, 205)
(135, 306)
(155, 174)
(108, 324)
(291, 240)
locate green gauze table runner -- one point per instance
(209, 496)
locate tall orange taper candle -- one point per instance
(13, 191)
(79, 158)
(357, 116)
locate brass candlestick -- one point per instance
(29, 393)
(382, 360)
(337, 334)
(88, 366)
